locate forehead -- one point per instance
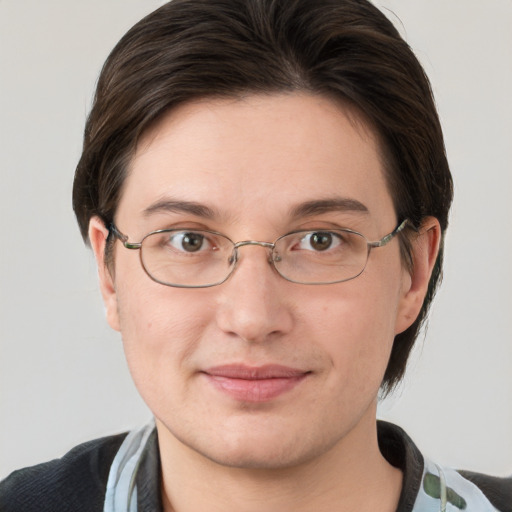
(258, 154)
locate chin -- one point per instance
(260, 459)
(258, 451)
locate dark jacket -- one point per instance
(77, 481)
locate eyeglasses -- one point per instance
(190, 258)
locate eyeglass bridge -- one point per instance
(267, 245)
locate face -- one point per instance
(258, 371)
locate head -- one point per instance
(248, 112)
(343, 50)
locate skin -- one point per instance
(251, 162)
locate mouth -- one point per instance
(254, 383)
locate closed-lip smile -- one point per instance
(254, 383)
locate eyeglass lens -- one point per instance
(205, 258)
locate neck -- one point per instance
(352, 475)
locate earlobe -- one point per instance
(424, 249)
(98, 234)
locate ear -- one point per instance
(424, 249)
(98, 234)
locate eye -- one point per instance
(188, 241)
(319, 241)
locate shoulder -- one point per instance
(75, 482)
(430, 487)
(465, 490)
(497, 490)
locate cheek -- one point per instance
(161, 328)
(355, 325)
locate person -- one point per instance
(265, 188)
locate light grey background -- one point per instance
(62, 374)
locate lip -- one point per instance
(254, 383)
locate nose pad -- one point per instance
(274, 257)
(233, 258)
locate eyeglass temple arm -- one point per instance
(383, 241)
(123, 238)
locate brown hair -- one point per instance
(343, 49)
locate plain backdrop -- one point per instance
(63, 378)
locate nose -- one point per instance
(253, 304)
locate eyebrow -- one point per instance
(177, 206)
(333, 204)
(308, 208)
